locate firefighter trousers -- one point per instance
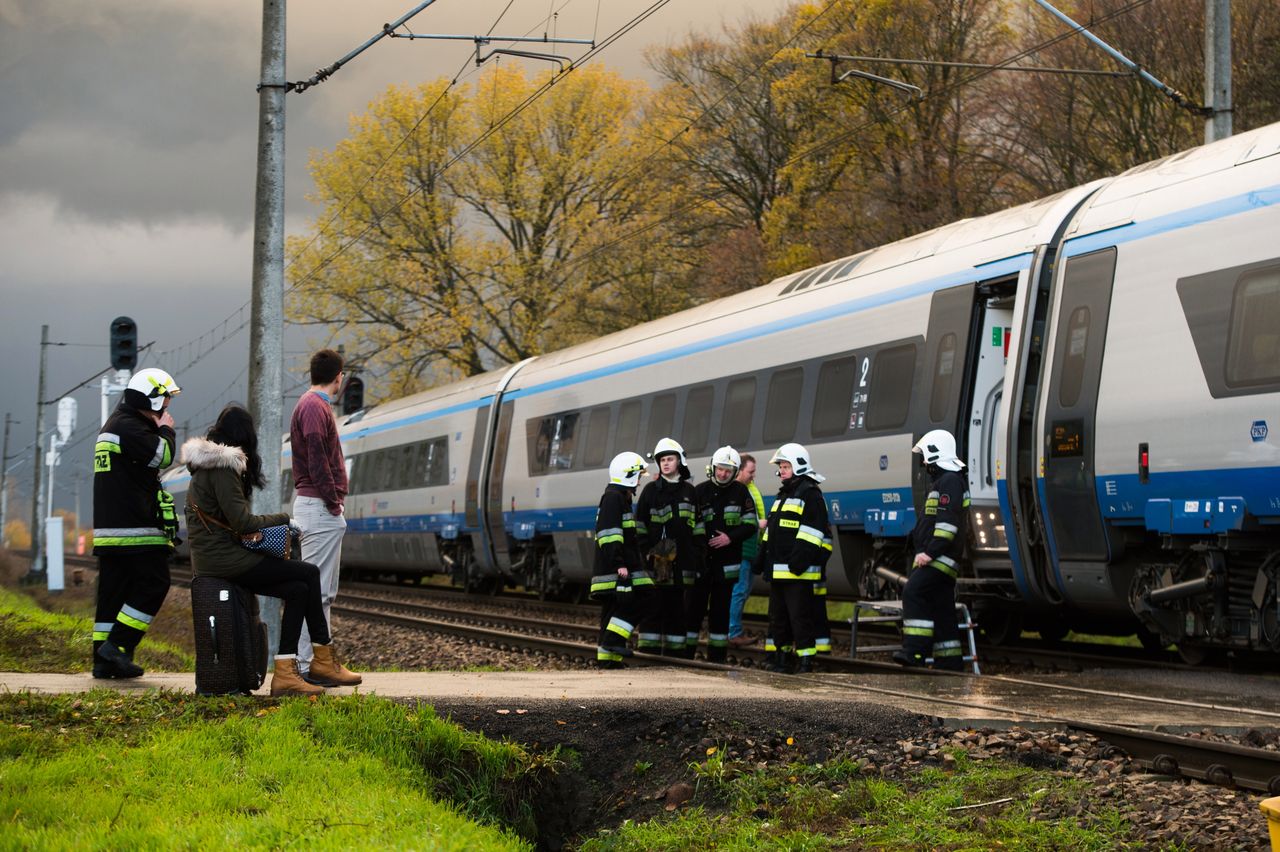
(709, 598)
(930, 626)
(791, 617)
(661, 628)
(131, 589)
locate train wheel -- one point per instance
(1001, 627)
(1198, 655)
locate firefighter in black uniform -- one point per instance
(929, 623)
(617, 574)
(727, 518)
(135, 526)
(793, 550)
(666, 515)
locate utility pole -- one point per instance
(1217, 69)
(4, 480)
(266, 367)
(37, 493)
(266, 317)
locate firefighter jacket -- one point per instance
(796, 544)
(130, 511)
(616, 541)
(727, 509)
(939, 532)
(669, 510)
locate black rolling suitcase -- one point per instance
(231, 640)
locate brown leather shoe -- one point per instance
(327, 671)
(743, 640)
(287, 680)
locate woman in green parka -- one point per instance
(225, 468)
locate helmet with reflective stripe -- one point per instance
(939, 447)
(726, 457)
(798, 457)
(149, 388)
(627, 468)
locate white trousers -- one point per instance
(322, 547)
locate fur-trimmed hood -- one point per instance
(201, 453)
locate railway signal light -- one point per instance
(124, 343)
(353, 396)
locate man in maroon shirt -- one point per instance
(320, 480)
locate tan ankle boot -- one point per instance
(327, 671)
(287, 680)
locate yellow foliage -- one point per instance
(17, 535)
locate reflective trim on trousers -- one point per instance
(717, 640)
(604, 654)
(621, 627)
(950, 648)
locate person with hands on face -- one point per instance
(728, 518)
(617, 578)
(929, 623)
(134, 523)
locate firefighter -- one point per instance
(793, 551)
(135, 526)
(665, 519)
(617, 572)
(929, 600)
(727, 519)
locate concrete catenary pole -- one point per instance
(266, 349)
(1217, 69)
(266, 318)
(4, 479)
(37, 493)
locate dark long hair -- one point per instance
(235, 429)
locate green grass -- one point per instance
(164, 770)
(836, 806)
(33, 640)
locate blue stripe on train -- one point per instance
(1189, 502)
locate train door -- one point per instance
(497, 473)
(947, 348)
(1070, 498)
(476, 520)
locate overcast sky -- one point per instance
(127, 156)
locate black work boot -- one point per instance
(904, 657)
(805, 666)
(118, 659)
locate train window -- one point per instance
(835, 396)
(662, 419)
(551, 443)
(697, 418)
(739, 405)
(783, 405)
(421, 458)
(286, 483)
(597, 438)
(437, 461)
(627, 438)
(1253, 343)
(378, 471)
(405, 459)
(944, 370)
(1074, 349)
(891, 379)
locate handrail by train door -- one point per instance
(489, 526)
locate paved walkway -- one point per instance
(1189, 702)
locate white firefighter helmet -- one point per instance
(627, 468)
(155, 386)
(939, 447)
(724, 457)
(801, 463)
(665, 447)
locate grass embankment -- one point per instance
(168, 770)
(35, 640)
(836, 806)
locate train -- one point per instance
(1108, 359)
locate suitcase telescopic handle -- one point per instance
(213, 634)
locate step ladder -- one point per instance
(890, 612)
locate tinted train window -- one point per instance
(380, 474)
(697, 419)
(437, 461)
(944, 369)
(662, 419)
(597, 438)
(1074, 349)
(892, 375)
(1253, 343)
(783, 405)
(405, 460)
(627, 438)
(835, 395)
(739, 405)
(552, 441)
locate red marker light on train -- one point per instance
(1144, 464)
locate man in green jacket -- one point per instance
(750, 547)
